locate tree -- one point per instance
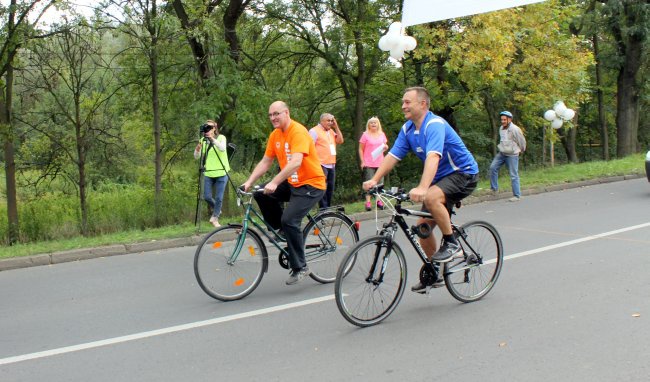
(520, 59)
(628, 22)
(70, 74)
(143, 23)
(16, 31)
(343, 35)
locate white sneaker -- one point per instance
(515, 199)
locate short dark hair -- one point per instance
(423, 94)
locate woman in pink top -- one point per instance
(371, 152)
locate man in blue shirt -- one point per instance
(450, 172)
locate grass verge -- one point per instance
(560, 174)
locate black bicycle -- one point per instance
(371, 278)
(231, 261)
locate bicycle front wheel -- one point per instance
(473, 276)
(328, 237)
(230, 263)
(370, 281)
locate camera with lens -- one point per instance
(204, 129)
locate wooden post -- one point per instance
(550, 135)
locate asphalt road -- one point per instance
(572, 304)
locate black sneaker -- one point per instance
(446, 252)
(296, 276)
(422, 289)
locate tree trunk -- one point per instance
(9, 157)
(567, 137)
(155, 105)
(490, 110)
(360, 100)
(630, 39)
(230, 17)
(6, 124)
(602, 122)
(627, 110)
(200, 54)
(81, 165)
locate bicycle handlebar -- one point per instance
(394, 192)
(253, 190)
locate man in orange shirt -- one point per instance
(300, 182)
(326, 136)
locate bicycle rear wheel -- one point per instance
(473, 276)
(370, 281)
(328, 237)
(229, 264)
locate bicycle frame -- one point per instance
(274, 238)
(397, 219)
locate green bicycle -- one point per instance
(231, 260)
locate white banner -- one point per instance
(426, 11)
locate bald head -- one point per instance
(279, 105)
(279, 115)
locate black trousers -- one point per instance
(300, 201)
(330, 177)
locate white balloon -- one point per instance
(392, 41)
(559, 107)
(383, 43)
(568, 114)
(409, 43)
(395, 27)
(397, 53)
(549, 115)
(556, 123)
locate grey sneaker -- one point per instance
(446, 252)
(296, 276)
(422, 289)
(515, 199)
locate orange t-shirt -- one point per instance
(297, 140)
(325, 144)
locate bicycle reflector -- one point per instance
(357, 225)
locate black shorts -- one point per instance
(456, 187)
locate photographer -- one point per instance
(211, 149)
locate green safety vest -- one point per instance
(214, 167)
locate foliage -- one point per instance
(318, 56)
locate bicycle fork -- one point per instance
(387, 244)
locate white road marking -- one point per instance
(576, 241)
(158, 332)
(273, 309)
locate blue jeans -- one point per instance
(219, 186)
(512, 163)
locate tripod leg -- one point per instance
(197, 221)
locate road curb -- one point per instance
(123, 249)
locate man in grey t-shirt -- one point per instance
(511, 144)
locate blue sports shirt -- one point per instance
(435, 136)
